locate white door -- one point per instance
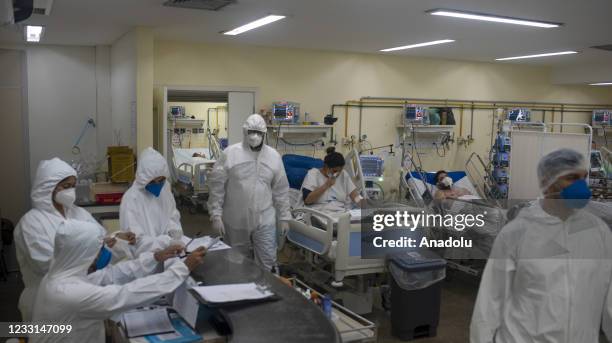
(14, 177)
(240, 105)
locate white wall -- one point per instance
(61, 97)
(576, 74)
(318, 79)
(104, 124)
(123, 89)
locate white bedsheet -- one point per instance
(463, 183)
(184, 155)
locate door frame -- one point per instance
(166, 88)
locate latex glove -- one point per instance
(110, 241)
(169, 252)
(195, 259)
(176, 237)
(217, 225)
(284, 228)
(128, 236)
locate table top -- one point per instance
(293, 318)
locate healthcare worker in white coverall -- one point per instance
(548, 276)
(248, 191)
(53, 195)
(148, 208)
(75, 293)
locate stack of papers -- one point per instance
(147, 322)
(232, 292)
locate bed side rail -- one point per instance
(324, 235)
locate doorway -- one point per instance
(193, 116)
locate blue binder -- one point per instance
(183, 333)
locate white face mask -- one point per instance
(333, 175)
(447, 181)
(66, 197)
(254, 139)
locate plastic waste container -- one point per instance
(415, 293)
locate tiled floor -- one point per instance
(458, 296)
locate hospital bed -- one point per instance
(190, 174)
(334, 237)
(421, 187)
(330, 242)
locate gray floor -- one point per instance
(458, 296)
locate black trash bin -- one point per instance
(415, 293)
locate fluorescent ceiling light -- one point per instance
(33, 33)
(538, 55)
(436, 42)
(601, 84)
(255, 24)
(493, 18)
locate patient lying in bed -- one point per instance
(446, 190)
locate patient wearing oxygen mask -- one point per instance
(446, 190)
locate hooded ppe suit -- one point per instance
(69, 295)
(151, 218)
(35, 231)
(248, 189)
(547, 279)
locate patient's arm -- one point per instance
(357, 198)
(314, 195)
(460, 191)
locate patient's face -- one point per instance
(441, 176)
(336, 170)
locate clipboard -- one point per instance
(268, 298)
(129, 331)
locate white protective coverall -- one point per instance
(547, 280)
(68, 295)
(35, 231)
(249, 189)
(151, 218)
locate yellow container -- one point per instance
(121, 163)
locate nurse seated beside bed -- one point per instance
(330, 189)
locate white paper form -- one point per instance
(232, 292)
(147, 322)
(204, 242)
(186, 305)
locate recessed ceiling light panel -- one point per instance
(33, 33)
(436, 42)
(537, 55)
(254, 24)
(492, 18)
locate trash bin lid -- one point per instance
(417, 260)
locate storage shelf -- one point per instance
(283, 130)
(427, 128)
(185, 122)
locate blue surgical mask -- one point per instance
(104, 258)
(577, 194)
(155, 188)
